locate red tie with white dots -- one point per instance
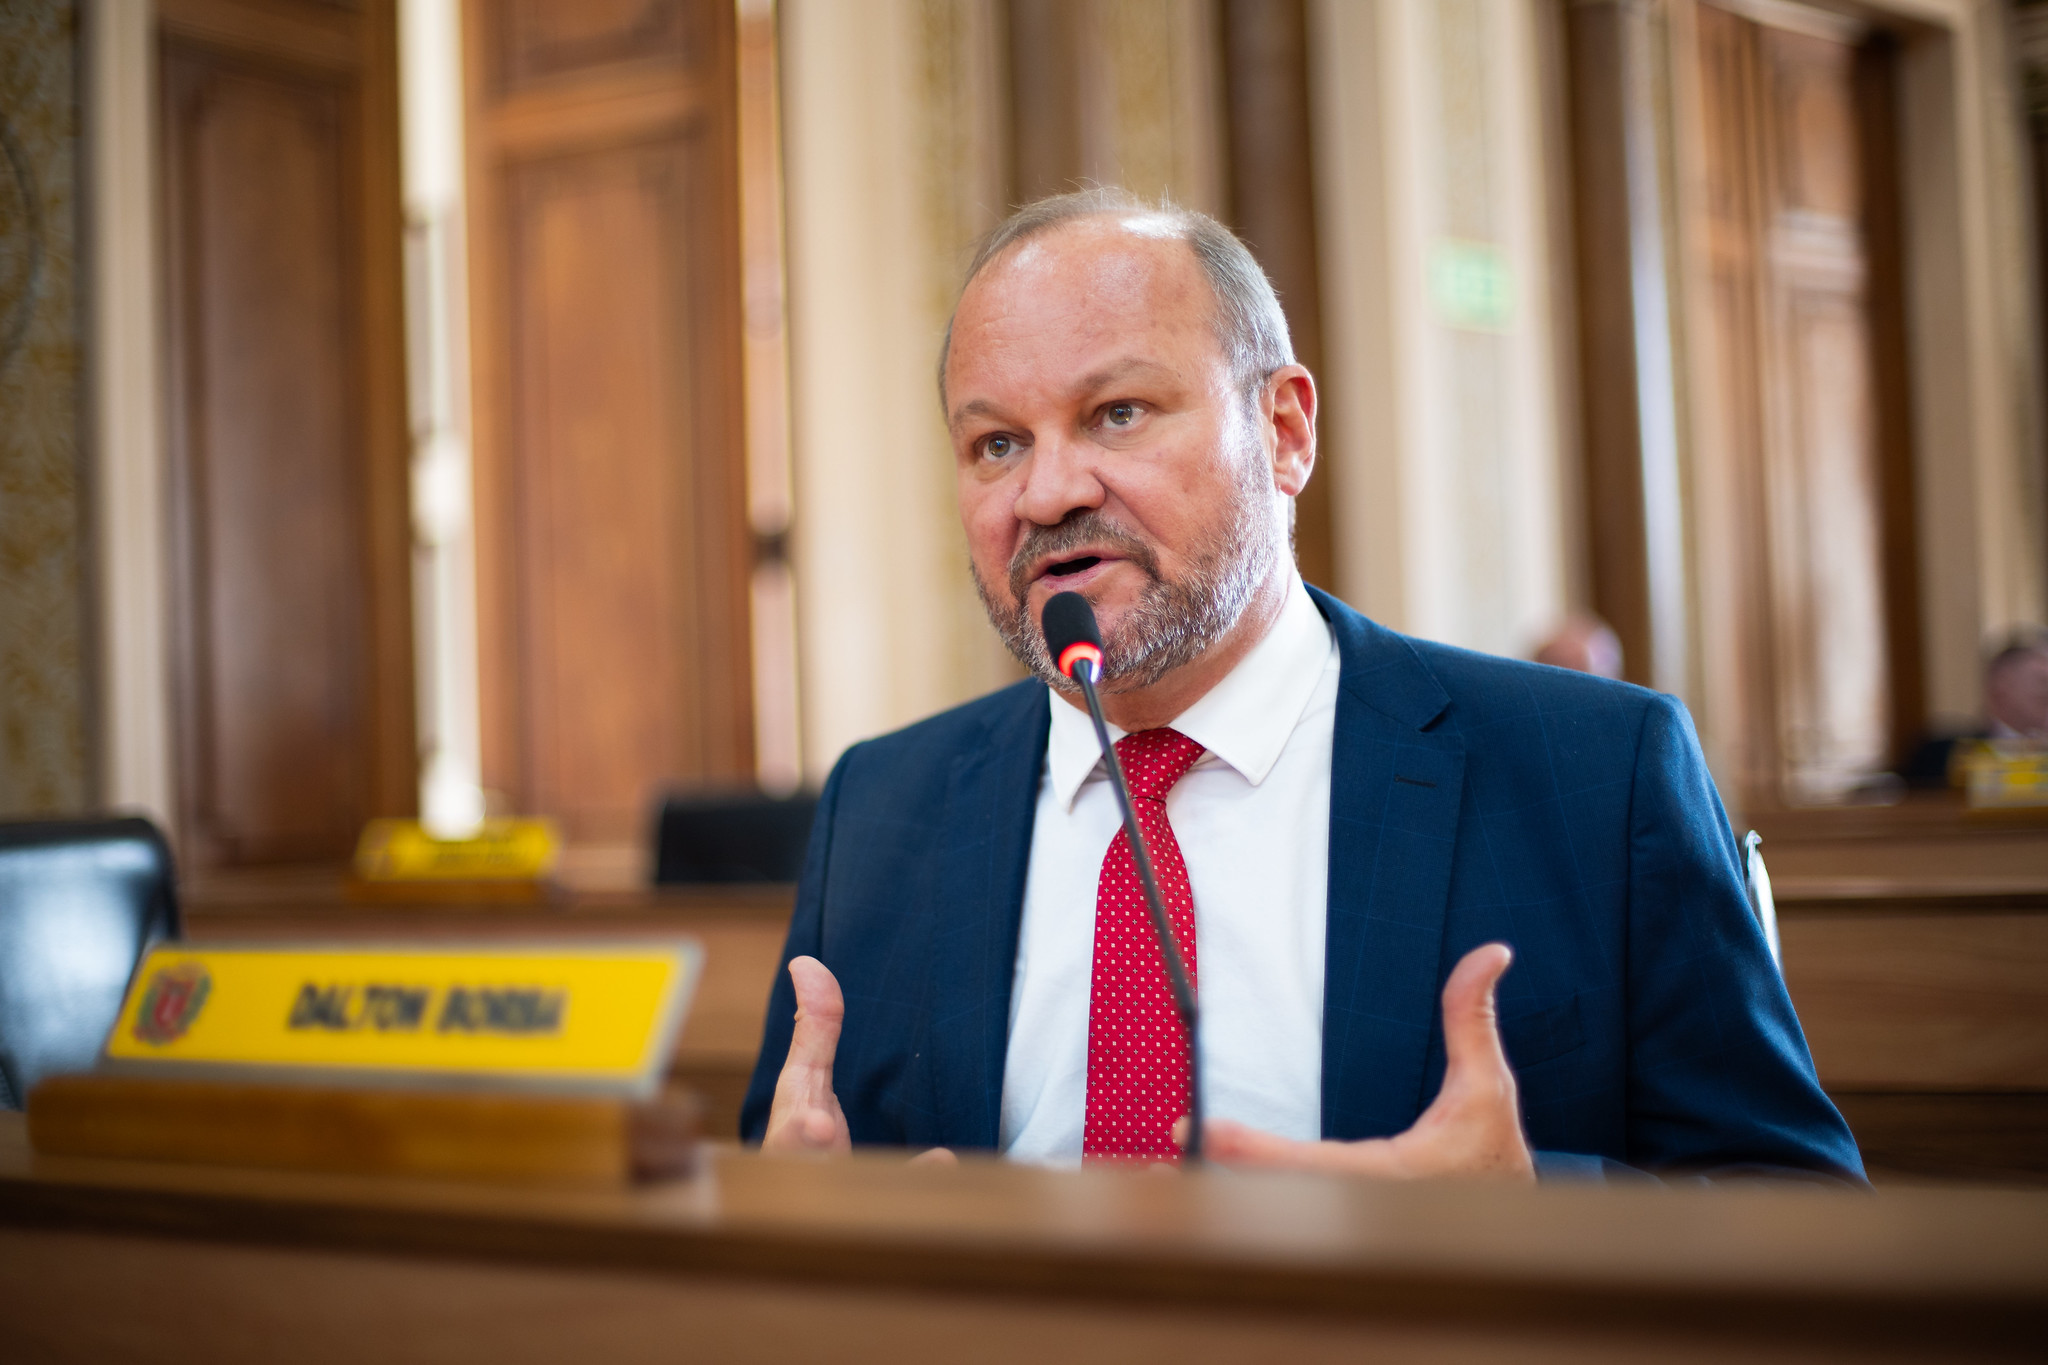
(1137, 1049)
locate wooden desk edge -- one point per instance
(334, 1213)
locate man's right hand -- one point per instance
(806, 1116)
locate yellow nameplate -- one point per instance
(504, 850)
(601, 1018)
(2000, 772)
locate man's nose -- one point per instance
(1059, 479)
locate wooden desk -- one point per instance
(1916, 949)
(1928, 843)
(871, 1260)
(1915, 942)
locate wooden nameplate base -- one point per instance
(505, 862)
(503, 1136)
(451, 891)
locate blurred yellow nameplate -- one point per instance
(508, 850)
(2001, 773)
(602, 1019)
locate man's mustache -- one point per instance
(1080, 531)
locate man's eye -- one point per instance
(1120, 414)
(997, 447)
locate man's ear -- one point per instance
(1291, 401)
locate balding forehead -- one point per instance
(1243, 314)
(1136, 229)
(1112, 258)
(1129, 271)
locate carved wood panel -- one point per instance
(1796, 343)
(614, 549)
(1729, 477)
(291, 675)
(542, 40)
(610, 505)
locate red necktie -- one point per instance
(1137, 1049)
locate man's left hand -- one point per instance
(1474, 1128)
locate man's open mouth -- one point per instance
(1076, 553)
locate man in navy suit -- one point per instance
(1356, 832)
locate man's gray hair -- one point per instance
(1249, 324)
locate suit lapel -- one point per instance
(991, 803)
(1395, 786)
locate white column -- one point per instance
(892, 168)
(437, 328)
(1443, 449)
(126, 394)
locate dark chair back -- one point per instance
(79, 901)
(746, 837)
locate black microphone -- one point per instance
(1075, 643)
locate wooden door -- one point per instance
(292, 673)
(1807, 354)
(613, 546)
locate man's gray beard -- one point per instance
(1173, 623)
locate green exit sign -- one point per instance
(1472, 285)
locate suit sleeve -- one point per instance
(1720, 1081)
(806, 938)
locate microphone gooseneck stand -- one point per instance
(1081, 666)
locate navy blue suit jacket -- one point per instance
(1472, 799)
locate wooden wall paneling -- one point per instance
(1916, 950)
(1046, 155)
(540, 40)
(291, 657)
(1272, 204)
(1953, 1000)
(1618, 556)
(317, 33)
(614, 548)
(611, 611)
(271, 583)
(1733, 545)
(1804, 472)
(1877, 102)
(1994, 1137)
(1929, 1028)
(1821, 453)
(387, 444)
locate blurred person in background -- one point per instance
(2016, 691)
(1584, 644)
(2015, 709)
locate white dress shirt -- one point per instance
(1253, 820)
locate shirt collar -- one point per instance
(1244, 720)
